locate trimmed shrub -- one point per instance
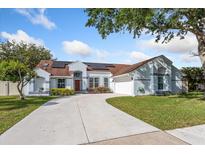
(62, 92)
(101, 90)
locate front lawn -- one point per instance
(13, 110)
(164, 112)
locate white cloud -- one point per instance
(188, 58)
(138, 56)
(21, 36)
(37, 17)
(127, 61)
(189, 44)
(77, 48)
(101, 54)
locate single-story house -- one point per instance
(151, 76)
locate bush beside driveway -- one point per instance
(164, 112)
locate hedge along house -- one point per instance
(152, 76)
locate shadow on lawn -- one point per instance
(191, 95)
(13, 103)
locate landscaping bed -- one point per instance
(164, 112)
(99, 90)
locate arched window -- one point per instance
(78, 74)
(161, 70)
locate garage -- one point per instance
(123, 85)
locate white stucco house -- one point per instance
(151, 76)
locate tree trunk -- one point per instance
(201, 52)
(20, 90)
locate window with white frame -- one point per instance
(96, 82)
(90, 82)
(105, 82)
(61, 83)
(93, 82)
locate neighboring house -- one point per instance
(151, 76)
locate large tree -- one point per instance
(164, 24)
(18, 60)
(194, 76)
(16, 72)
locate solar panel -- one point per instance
(61, 64)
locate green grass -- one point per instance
(13, 110)
(164, 112)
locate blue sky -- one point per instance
(63, 31)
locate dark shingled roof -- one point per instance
(92, 66)
(98, 66)
(60, 64)
(60, 68)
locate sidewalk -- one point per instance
(191, 135)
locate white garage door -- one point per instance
(124, 87)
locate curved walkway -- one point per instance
(79, 119)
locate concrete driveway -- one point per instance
(79, 119)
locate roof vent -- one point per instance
(45, 66)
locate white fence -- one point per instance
(8, 88)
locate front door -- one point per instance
(77, 85)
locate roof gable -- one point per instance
(77, 63)
(133, 67)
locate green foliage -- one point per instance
(9, 71)
(194, 76)
(101, 90)
(62, 92)
(28, 54)
(17, 61)
(166, 23)
(141, 90)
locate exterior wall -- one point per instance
(34, 84)
(101, 76)
(142, 80)
(167, 65)
(146, 77)
(84, 83)
(177, 83)
(54, 82)
(79, 66)
(39, 83)
(43, 74)
(69, 83)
